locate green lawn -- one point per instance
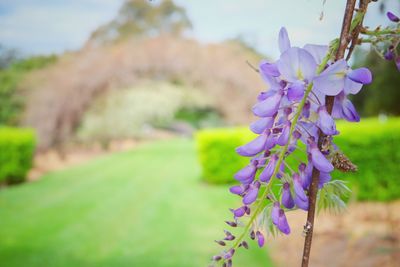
(146, 207)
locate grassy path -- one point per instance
(143, 208)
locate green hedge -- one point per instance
(16, 153)
(372, 145)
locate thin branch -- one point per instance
(345, 37)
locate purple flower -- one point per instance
(246, 175)
(361, 75)
(275, 213)
(251, 195)
(266, 174)
(262, 125)
(284, 137)
(392, 17)
(229, 254)
(339, 76)
(325, 122)
(281, 171)
(319, 160)
(343, 108)
(296, 64)
(239, 212)
(228, 236)
(306, 110)
(295, 91)
(287, 199)
(283, 225)
(283, 41)
(268, 106)
(305, 177)
(323, 179)
(254, 147)
(317, 51)
(301, 203)
(389, 55)
(237, 189)
(298, 187)
(269, 69)
(260, 239)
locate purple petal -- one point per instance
(281, 171)
(283, 225)
(317, 51)
(297, 64)
(260, 239)
(305, 177)
(325, 122)
(239, 212)
(287, 199)
(266, 174)
(246, 175)
(349, 112)
(319, 160)
(284, 137)
(323, 179)
(271, 142)
(275, 213)
(389, 55)
(298, 187)
(361, 75)
(237, 189)
(295, 91)
(283, 41)
(254, 147)
(351, 87)
(268, 107)
(250, 196)
(392, 17)
(261, 125)
(264, 95)
(269, 69)
(331, 80)
(300, 203)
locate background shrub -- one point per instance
(17, 147)
(373, 145)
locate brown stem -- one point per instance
(362, 7)
(345, 37)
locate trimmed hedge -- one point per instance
(372, 145)
(16, 153)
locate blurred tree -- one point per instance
(11, 75)
(7, 56)
(382, 95)
(143, 18)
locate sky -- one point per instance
(55, 26)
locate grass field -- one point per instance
(143, 208)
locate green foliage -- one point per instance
(199, 117)
(17, 147)
(10, 102)
(216, 151)
(373, 145)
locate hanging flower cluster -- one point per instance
(292, 110)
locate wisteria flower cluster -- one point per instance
(290, 112)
